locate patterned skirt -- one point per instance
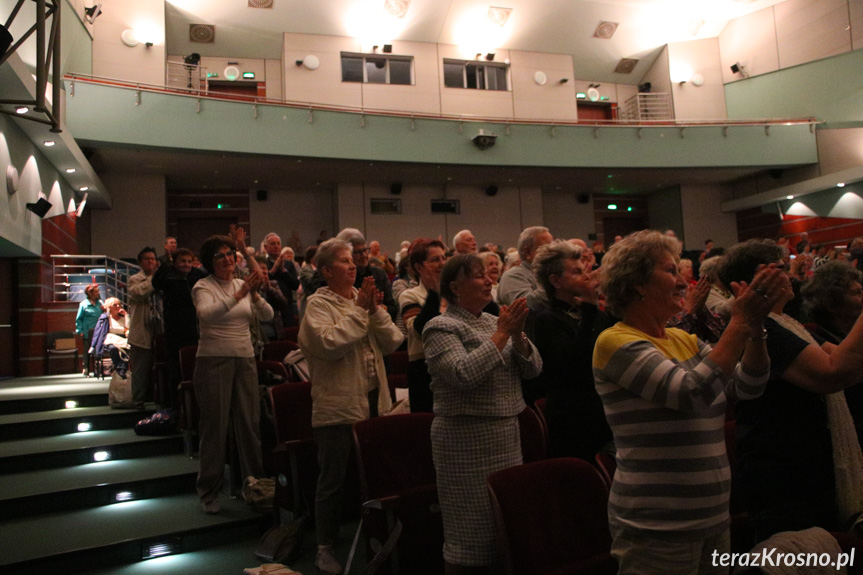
(466, 449)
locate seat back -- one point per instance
(398, 363)
(395, 465)
(292, 411)
(274, 367)
(551, 517)
(607, 465)
(295, 455)
(534, 442)
(290, 333)
(52, 337)
(69, 349)
(277, 350)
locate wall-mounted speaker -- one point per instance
(491, 190)
(262, 195)
(39, 208)
(583, 198)
(395, 188)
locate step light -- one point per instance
(85, 426)
(101, 456)
(71, 404)
(160, 549)
(124, 496)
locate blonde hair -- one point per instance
(109, 302)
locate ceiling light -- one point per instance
(498, 16)
(396, 8)
(22, 110)
(605, 30)
(83, 188)
(71, 170)
(49, 143)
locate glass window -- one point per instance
(495, 77)
(376, 70)
(352, 69)
(474, 75)
(400, 71)
(453, 74)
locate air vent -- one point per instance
(626, 66)
(605, 30)
(445, 206)
(202, 33)
(396, 8)
(386, 206)
(261, 3)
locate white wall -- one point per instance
(691, 102)
(551, 101)
(497, 219)
(285, 211)
(703, 217)
(565, 217)
(137, 218)
(113, 59)
(659, 74)
(839, 149)
(324, 85)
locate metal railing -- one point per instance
(180, 76)
(72, 273)
(647, 107)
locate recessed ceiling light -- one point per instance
(71, 170)
(498, 16)
(396, 8)
(22, 110)
(83, 188)
(605, 30)
(49, 143)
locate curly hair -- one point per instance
(212, 245)
(629, 263)
(741, 261)
(824, 293)
(549, 259)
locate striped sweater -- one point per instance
(665, 403)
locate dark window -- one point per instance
(400, 71)
(474, 75)
(352, 69)
(376, 69)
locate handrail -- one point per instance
(72, 273)
(256, 100)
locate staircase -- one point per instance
(61, 511)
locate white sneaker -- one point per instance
(326, 561)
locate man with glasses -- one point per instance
(361, 259)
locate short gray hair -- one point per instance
(549, 260)
(270, 235)
(527, 240)
(457, 238)
(629, 263)
(328, 250)
(487, 255)
(351, 235)
(710, 267)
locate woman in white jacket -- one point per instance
(344, 336)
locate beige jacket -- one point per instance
(331, 337)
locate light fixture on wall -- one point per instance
(697, 80)
(83, 203)
(129, 38)
(310, 62)
(93, 12)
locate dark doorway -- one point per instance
(621, 227)
(192, 232)
(595, 111)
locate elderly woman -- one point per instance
(719, 300)
(344, 335)
(493, 267)
(565, 336)
(116, 335)
(226, 378)
(88, 314)
(799, 460)
(418, 305)
(664, 393)
(477, 362)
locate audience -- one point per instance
(142, 325)
(282, 270)
(364, 270)
(464, 242)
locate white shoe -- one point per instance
(326, 561)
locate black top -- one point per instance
(784, 449)
(576, 420)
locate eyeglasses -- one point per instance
(222, 255)
(362, 251)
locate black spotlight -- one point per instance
(735, 68)
(644, 88)
(395, 188)
(262, 195)
(388, 48)
(39, 208)
(491, 190)
(5, 40)
(192, 59)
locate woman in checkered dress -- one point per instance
(477, 362)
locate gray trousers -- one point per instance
(142, 368)
(227, 393)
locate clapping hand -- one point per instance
(369, 297)
(696, 296)
(754, 301)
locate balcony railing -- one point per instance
(647, 108)
(72, 273)
(182, 76)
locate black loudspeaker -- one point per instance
(5, 40)
(40, 208)
(491, 190)
(395, 188)
(777, 173)
(583, 198)
(262, 195)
